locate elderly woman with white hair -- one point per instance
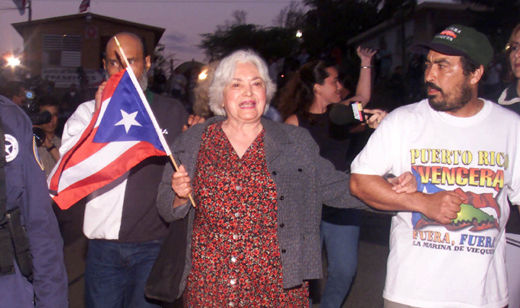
(253, 234)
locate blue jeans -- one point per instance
(341, 243)
(116, 273)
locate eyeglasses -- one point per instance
(512, 47)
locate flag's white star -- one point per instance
(128, 120)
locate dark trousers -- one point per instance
(116, 273)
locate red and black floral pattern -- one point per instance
(235, 251)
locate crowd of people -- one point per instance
(242, 221)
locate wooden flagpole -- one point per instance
(150, 112)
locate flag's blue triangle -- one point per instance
(126, 111)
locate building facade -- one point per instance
(69, 49)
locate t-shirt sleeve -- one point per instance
(378, 155)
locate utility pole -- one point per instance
(29, 7)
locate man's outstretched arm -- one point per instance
(375, 191)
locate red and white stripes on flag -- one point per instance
(122, 133)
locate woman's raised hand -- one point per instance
(365, 55)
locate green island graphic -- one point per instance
(468, 213)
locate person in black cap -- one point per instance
(32, 272)
(447, 239)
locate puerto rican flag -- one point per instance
(122, 133)
(84, 5)
(20, 5)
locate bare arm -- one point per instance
(405, 183)
(51, 148)
(364, 85)
(378, 193)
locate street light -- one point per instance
(203, 75)
(299, 34)
(12, 61)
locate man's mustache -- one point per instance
(433, 86)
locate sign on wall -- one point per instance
(63, 77)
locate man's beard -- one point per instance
(463, 97)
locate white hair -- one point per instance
(224, 75)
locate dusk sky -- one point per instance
(184, 20)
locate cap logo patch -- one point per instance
(448, 33)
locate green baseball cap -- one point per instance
(458, 40)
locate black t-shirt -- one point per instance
(334, 142)
(140, 220)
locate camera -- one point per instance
(347, 115)
(32, 109)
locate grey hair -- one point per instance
(224, 75)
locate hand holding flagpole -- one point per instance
(150, 112)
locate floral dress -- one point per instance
(235, 252)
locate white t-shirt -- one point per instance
(460, 264)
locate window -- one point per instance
(61, 50)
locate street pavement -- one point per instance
(367, 288)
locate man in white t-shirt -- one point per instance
(447, 240)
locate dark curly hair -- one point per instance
(297, 96)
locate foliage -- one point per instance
(162, 63)
(268, 42)
(498, 23)
(291, 17)
(238, 34)
(162, 68)
(327, 24)
(331, 23)
(240, 17)
(395, 9)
